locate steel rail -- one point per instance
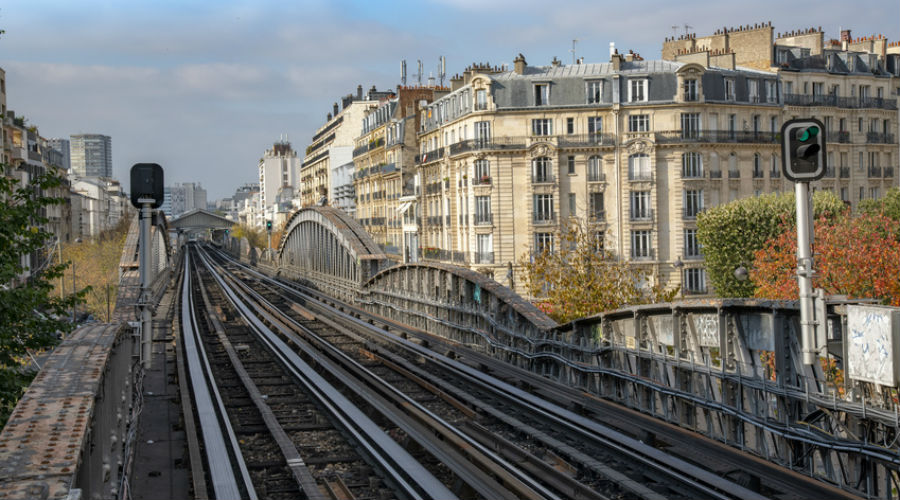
(511, 474)
(409, 476)
(675, 468)
(220, 442)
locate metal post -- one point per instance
(144, 300)
(74, 290)
(805, 272)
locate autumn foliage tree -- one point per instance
(854, 256)
(580, 279)
(730, 234)
(95, 263)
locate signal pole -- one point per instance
(802, 156)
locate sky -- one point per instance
(205, 87)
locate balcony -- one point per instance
(888, 172)
(596, 177)
(845, 172)
(839, 136)
(542, 178)
(715, 174)
(776, 173)
(758, 173)
(430, 156)
(875, 172)
(484, 180)
(829, 172)
(497, 143)
(715, 137)
(641, 215)
(879, 138)
(734, 174)
(640, 176)
(839, 102)
(586, 140)
(484, 257)
(484, 219)
(544, 218)
(597, 216)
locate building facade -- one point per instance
(279, 170)
(326, 173)
(384, 162)
(633, 150)
(62, 145)
(91, 155)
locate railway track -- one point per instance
(542, 439)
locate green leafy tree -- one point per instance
(31, 318)
(889, 206)
(732, 233)
(580, 279)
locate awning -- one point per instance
(404, 207)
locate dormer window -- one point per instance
(690, 90)
(541, 94)
(594, 91)
(637, 90)
(481, 100)
(729, 89)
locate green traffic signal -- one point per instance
(808, 133)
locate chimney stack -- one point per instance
(359, 92)
(335, 107)
(520, 64)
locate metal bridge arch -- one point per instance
(459, 304)
(328, 249)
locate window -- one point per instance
(485, 244)
(543, 242)
(873, 193)
(570, 161)
(481, 100)
(818, 89)
(639, 167)
(542, 126)
(482, 170)
(788, 87)
(637, 89)
(595, 125)
(541, 169)
(691, 165)
(693, 202)
(695, 280)
(690, 125)
(541, 94)
(570, 126)
(640, 244)
(845, 194)
(729, 89)
(543, 208)
(690, 90)
(771, 92)
(757, 166)
(640, 205)
(572, 204)
(691, 244)
(773, 124)
(594, 91)
(732, 126)
(594, 169)
(483, 210)
(753, 90)
(483, 132)
(596, 205)
(639, 123)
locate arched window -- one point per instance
(639, 167)
(594, 169)
(541, 169)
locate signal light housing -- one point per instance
(803, 149)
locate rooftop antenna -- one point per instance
(442, 69)
(419, 74)
(674, 31)
(403, 72)
(574, 41)
(686, 29)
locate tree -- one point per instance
(96, 264)
(854, 256)
(580, 279)
(888, 206)
(30, 317)
(730, 234)
(255, 235)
